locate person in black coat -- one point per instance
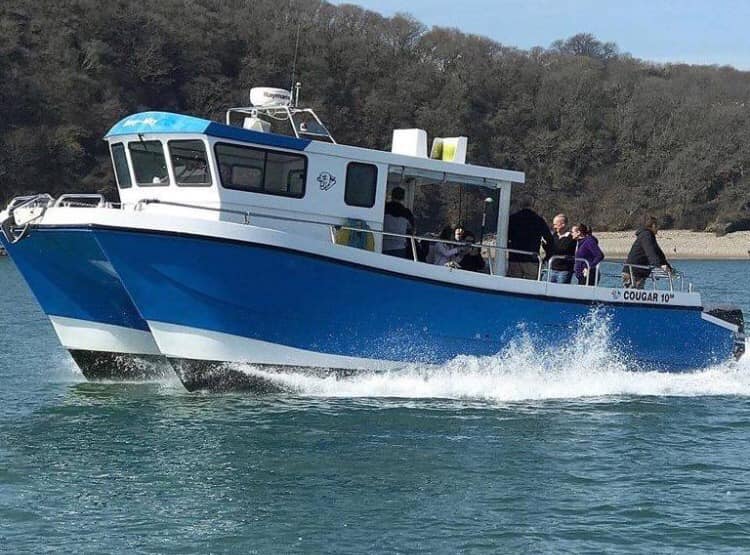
(527, 231)
(472, 260)
(563, 247)
(398, 219)
(644, 252)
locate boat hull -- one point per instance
(219, 300)
(89, 309)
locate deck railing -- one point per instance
(415, 240)
(610, 274)
(657, 279)
(81, 200)
(145, 202)
(35, 207)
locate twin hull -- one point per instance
(210, 300)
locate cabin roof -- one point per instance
(169, 123)
(165, 122)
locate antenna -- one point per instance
(294, 63)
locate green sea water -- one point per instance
(530, 452)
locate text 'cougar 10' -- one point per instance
(261, 240)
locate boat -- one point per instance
(259, 241)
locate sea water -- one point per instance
(532, 450)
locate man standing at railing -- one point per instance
(561, 254)
(398, 219)
(644, 255)
(527, 230)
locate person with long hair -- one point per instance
(441, 253)
(587, 249)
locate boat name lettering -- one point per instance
(326, 180)
(135, 121)
(647, 296)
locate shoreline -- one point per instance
(681, 244)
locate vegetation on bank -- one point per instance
(599, 134)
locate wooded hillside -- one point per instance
(599, 134)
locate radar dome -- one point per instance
(269, 96)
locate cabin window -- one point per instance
(261, 171)
(285, 174)
(190, 163)
(149, 163)
(361, 184)
(122, 172)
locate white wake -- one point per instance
(586, 366)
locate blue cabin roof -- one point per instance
(165, 122)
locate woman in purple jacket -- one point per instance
(587, 248)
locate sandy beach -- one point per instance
(678, 244)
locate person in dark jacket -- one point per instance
(587, 249)
(563, 247)
(644, 252)
(398, 219)
(472, 260)
(527, 231)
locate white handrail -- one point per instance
(68, 199)
(414, 238)
(146, 202)
(573, 259)
(675, 280)
(26, 202)
(654, 273)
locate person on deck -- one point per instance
(644, 252)
(472, 260)
(527, 231)
(442, 254)
(587, 248)
(564, 248)
(398, 219)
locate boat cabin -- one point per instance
(276, 165)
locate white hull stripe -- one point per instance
(199, 344)
(95, 336)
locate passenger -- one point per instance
(527, 231)
(472, 260)
(443, 254)
(398, 219)
(563, 246)
(459, 233)
(587, 248)
(644, 252)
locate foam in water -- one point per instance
(586, 366)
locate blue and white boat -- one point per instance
(239, 244)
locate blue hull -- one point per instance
(68, 274)
(70, 277)
(327, 306)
